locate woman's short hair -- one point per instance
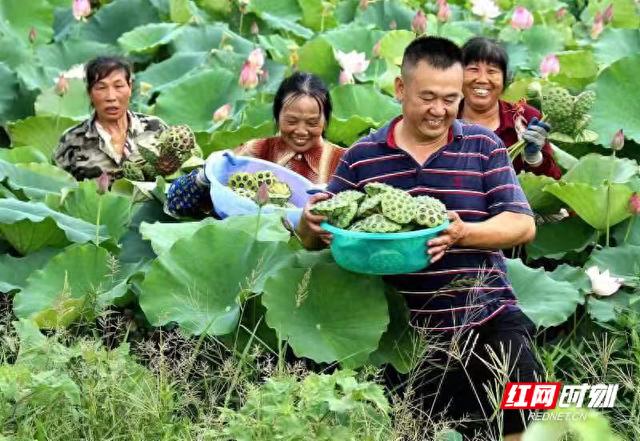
(483, 49)
(101, 67)
(303, 84)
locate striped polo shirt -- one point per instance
(472, 175)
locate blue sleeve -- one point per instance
(188, 197)
(501, 186)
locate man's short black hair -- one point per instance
(438, 52)
(487, 50)
(101, 67)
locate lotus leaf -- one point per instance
(147, 37)
(555, 240)
(41, 132)
(114, 19)
(614, 44)
(20, 19)
(540, 201)
(36, 180)
(15, 270)
(22, 155)
(73, 105)
(622, 261)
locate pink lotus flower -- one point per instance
(617, 142)
(256, 58)
(549, 65)
(607, 15)
(419, 23)
(602, 284)
(248, 76)
(103, 182)
(598, 25)
(222, 113)
(521, 19)
(485, 9)
(81, 9)
(444, 11)
(353, 62)
(262, 195)
(345, 78)
(62, 85)
(634, 204)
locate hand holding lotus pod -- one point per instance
(381, 209)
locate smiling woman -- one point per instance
(302, 110)
(113, 133)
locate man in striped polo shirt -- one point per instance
(465, 290)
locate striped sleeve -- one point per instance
(501, 186)
(344, 178)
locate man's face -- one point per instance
(430, 98)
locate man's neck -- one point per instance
(119, 125)
(417, 146)
(489, 117)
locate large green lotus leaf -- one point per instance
(67, 53)
(225, 139)
(615, 107)
(382, 14)
(15, 51)
(285, 24)
(36, 180)
(590, 203)
(74, 104)
(317, 15)
(194, 100)
(116, 18)
(21, 18)
(519, 58)
(110, 209)
(400, 345)
(180, 11)
(564, 159)
(595, 169)
(316, 56)
(622, 261)
(29, 226)
(24, 154)
(614, 44)
(203, 294)
(627, 232)
(327, 314)
(348, 121)
(166, 73)
(354, 37)
(517, 90)
(42, 132)
(393, 44)
(554, 240)
(547, 302)
(577, 69)
(540, 41)
(278, 47)
(541, 202)
(147, 37)
(573, 275)
(56, 294)
(275, 72)
(8, 91)
(208, 37)
(269, 228)
(14, 271)
(625, 12)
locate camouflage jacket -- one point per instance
(85, 150)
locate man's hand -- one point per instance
(309, 228)
(455, 232)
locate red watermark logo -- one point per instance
(546, 396)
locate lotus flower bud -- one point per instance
(617, 142)
(222, 113)
(33, 34)
(103, 182)
(345, 77)
(444, 11)
(607, 15)
(248, 76)
(419, 23)
(62, 85)
(256, 58)
(560, 13)
(634, 203)
(598, 26)
(255, 30)
(81, 9)
(549, 65)
(262, 195)
(521, 19)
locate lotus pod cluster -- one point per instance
(566, 113)
(381, 209)
(170, 150)
(247, 185)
